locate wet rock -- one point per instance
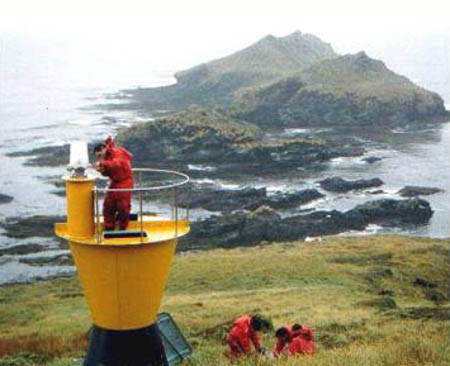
(371, 159)
(54, 257)
(393, 212)
(33, 226)
(247, 198)
(413, 191)
(4, 198)
(21, 249)
(265, 213)
(16, 272)
(291, 200)
(221, 200)
(337, 184)
(266, 225)
(45, 156)
(378, 191)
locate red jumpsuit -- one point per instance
(303, 343)
(240, 336)
(281, 343)
(117, 205)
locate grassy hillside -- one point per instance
(196, 135)
(358, 294)
(214, 82)
(348, 89)
(266, 59)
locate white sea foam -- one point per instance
(81, 122)
(124, 124)
(400, 130)
(371, 229)
(345, 161)
(204, 181)
(296, 131)
(205, 168)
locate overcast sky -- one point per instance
(134, 36)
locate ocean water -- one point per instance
(40, 105)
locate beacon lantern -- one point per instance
(123, 273)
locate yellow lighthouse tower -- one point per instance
(123, 273)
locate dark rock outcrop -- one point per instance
(393, 212)
(4, 198)
(413, 191)
(266, 225)
(222, 200)
(337, 184)
(54, 258)
(294, 199)
(45, 156)
(371, 159)
(22, 249)
(38, 226)
(247, 198)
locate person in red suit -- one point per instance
(303, 343)
(284, 336)
(245, 330)
(115, 162)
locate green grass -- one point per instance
(332, 286)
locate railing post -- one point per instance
(175, 194)
(141, 216)
(188, 204)
(97, 214)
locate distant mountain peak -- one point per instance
(268, 59)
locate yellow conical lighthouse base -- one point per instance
(124, 285)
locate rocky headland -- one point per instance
(352, 90)
(199, 136)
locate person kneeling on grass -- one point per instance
(284, 336)
(245, 330)
(294, 339)
(303, 343)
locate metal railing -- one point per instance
(172, 187)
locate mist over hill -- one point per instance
(296, 80)
(215, 82)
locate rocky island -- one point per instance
(296, 80)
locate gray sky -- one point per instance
(412, 38)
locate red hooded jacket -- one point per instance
(117, 165)
(281, 343)
(303, 343)
(242, 333)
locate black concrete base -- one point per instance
(140, 347)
